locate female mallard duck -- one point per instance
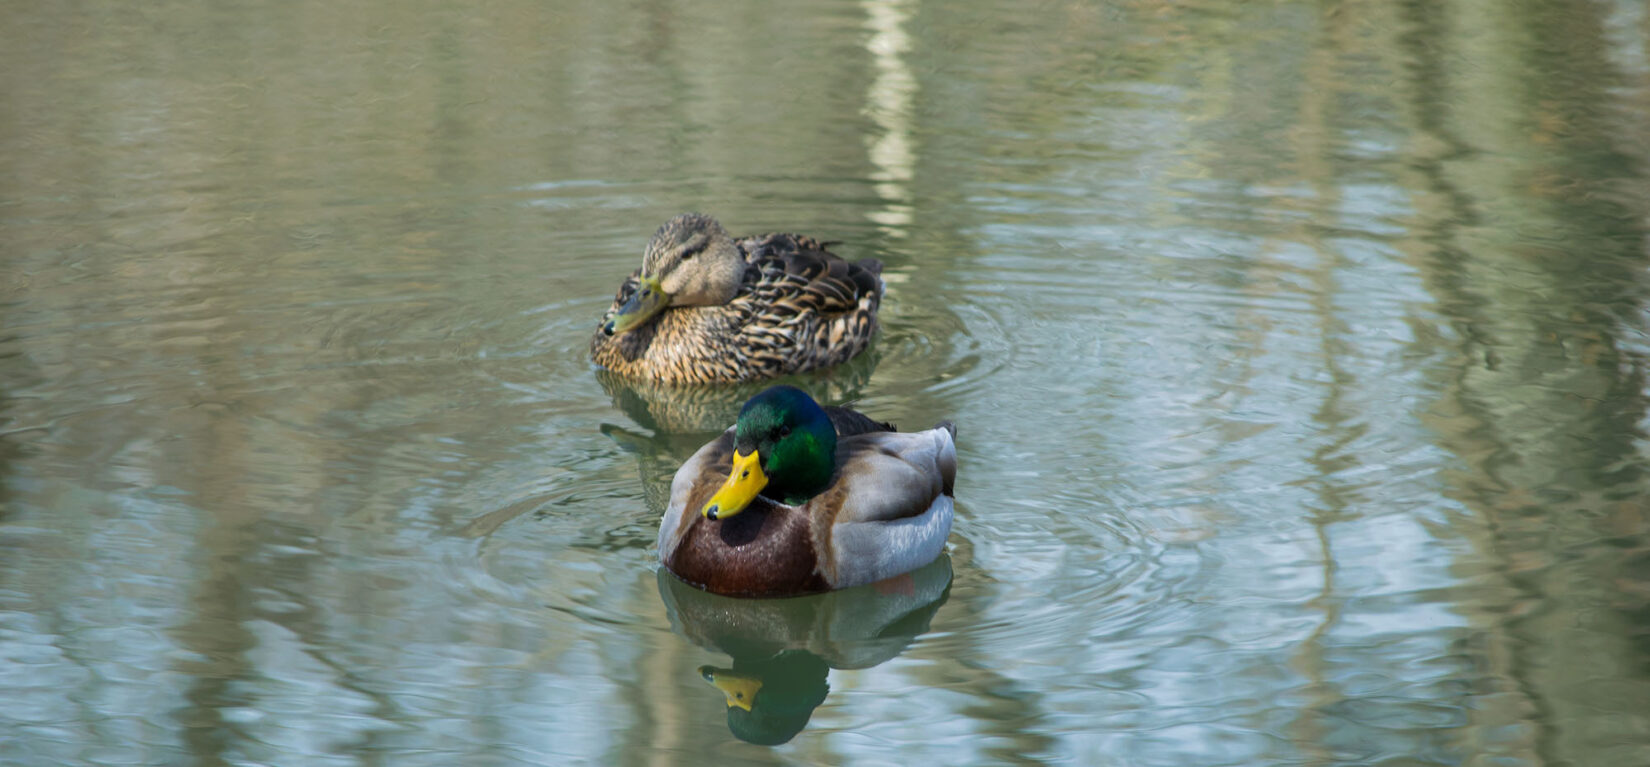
(796, 498)
(706, 307)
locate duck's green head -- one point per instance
(784, 447)
(691, 261)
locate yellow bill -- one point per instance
(744, 482)
(739, 689)
(648, 300)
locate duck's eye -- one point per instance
(785, 431)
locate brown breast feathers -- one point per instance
(765, 551)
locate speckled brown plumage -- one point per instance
(797, 307)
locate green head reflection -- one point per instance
(771, 699)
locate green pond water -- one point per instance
(1298, 353)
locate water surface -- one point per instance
(1298, 354)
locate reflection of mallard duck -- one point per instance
(849, 628)
(705, 307)
(782, 648)
(667, 409)
(771, 699)
(813, 499)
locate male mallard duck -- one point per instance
(705, 307)
(796, 498)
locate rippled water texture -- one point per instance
(1298, 353)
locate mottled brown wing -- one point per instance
(797, 274)
(775, 244)
(803, 307)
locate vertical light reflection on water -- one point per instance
(1445, 208)
(1383, 554)
(1541, 392)
(891, 100)
(1310, 728)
